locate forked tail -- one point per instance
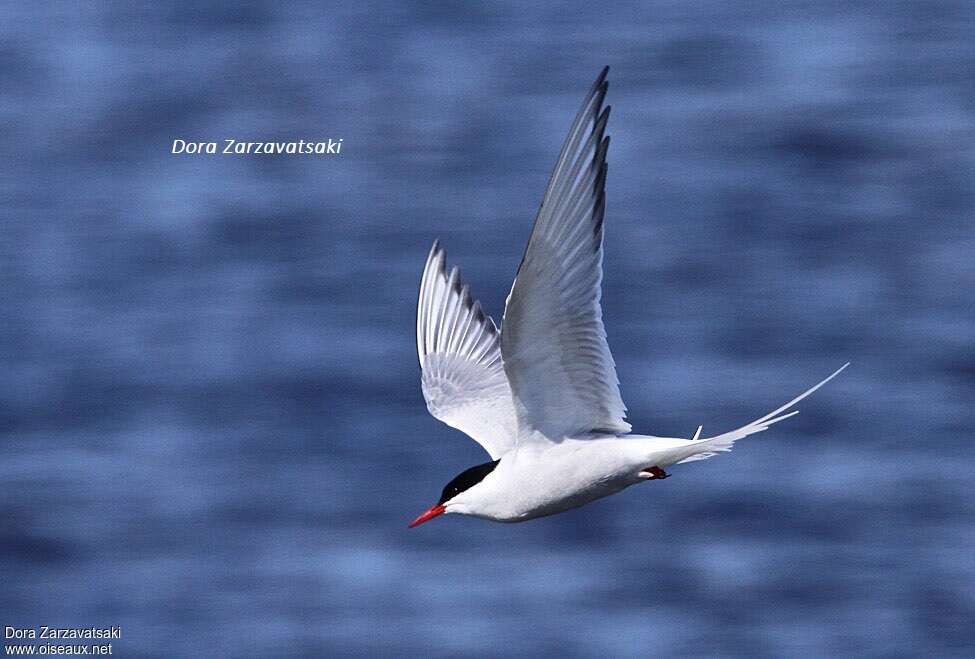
(700, 449)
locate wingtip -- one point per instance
(435, 250)
(601, 84)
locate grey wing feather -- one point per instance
(558, 362)
(463, 379)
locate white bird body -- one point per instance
(541, 395)
(543, 478)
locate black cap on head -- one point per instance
(466, 480)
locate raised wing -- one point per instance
(459, 348)
(554, 345)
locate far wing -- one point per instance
(555, 353)
(463, 380)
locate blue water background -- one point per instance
(212, 429)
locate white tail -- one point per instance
(705, 448)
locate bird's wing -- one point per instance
(553, 342)
(463, 381)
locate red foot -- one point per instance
(656, 473)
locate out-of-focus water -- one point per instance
(212, 429)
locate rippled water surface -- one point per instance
(212, 429)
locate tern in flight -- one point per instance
(541, 394)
